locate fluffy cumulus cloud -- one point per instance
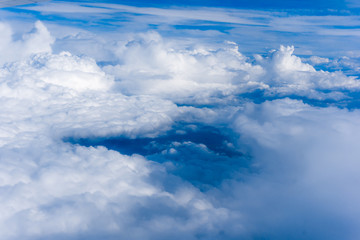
(37, 41)
(56, 189)
(307, 158)
(157, 138)
(152, 65)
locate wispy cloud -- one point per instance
(292, 27)
(179, 14)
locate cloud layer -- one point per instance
(222, 145)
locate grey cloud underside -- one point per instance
(11, 3)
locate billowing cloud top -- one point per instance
(124, 122)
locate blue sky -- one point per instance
(256, 4)
(313, 27)
(180, 120)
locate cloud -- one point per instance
(352, 4)
(248, 27)
(76, 191)
(150, 65)
(229, 151)
(7, 3)
(177, 14)
(55, 189)
(315, 60)
(304, 154)
(37, 41)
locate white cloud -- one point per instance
(353, 3)
(37, 41)
(315, 60)
(65, 190)
(152, 65)
(307, 158)
(175, 14)
(248, 27)
(54, 189)
(286, 75)
(299, 171)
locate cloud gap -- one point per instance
(213, 138)
(202, 154)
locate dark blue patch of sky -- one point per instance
(203, 155)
